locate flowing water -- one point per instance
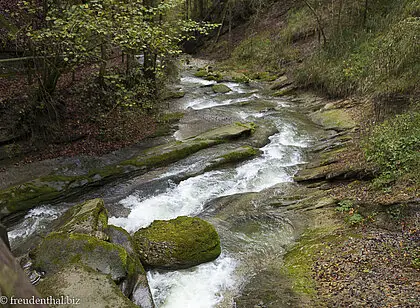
(253, 236)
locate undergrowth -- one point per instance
(394, 147)
(367, 50)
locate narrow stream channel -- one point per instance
(253, 236)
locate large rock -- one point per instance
(337, 119)
(139, 291)
(178, 243)
(89, 217)
(234, 156)
(59, 249)
(92, 288)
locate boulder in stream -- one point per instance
(90, 287)
(220, 88)
(178, 243)
(84, 248)
(89, 217)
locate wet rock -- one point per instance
(59, 249)
(53, 188)
(178, 243)
(173, 95)
(220, 88)
(89, 217)
(237, 155)
(138, 289)
(92, 288)
(287, 90)
(263, 130)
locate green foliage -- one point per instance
(355, 219)
(299, 23)
(349, 208)
(345, 206)
(394, 147)
(381, 57)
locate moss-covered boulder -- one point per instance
(220, 88)
(59, 249)
(92, 288)
(280, 83)
(209, 74)
(178, 243)
(89, 217)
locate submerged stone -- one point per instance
(178, 243)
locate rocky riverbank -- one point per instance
(344, 231)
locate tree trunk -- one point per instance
(318, 20)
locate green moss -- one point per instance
(177, 243)
(263, 76)
(25, 196)
(86, 217)
(201, 73)
(240, 154)
(172, 154)
(251, 125)
(220, 88)
(173, 95)
(283, 92)
(235, 156)
(299, 260)
(59, 249)
(209, 75)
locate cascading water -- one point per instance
(253, 240)
(216, 283)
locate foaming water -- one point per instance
(200, 286)
(196, 80)
(34, 221)
(207, 285)
(214, 101)
(189, 196)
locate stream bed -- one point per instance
(253, 234)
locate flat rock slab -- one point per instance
(92, 288)
(337, 119)
(25, 196)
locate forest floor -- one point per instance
(83, 128)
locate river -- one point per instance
(253, 235)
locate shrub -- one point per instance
(394, 147)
